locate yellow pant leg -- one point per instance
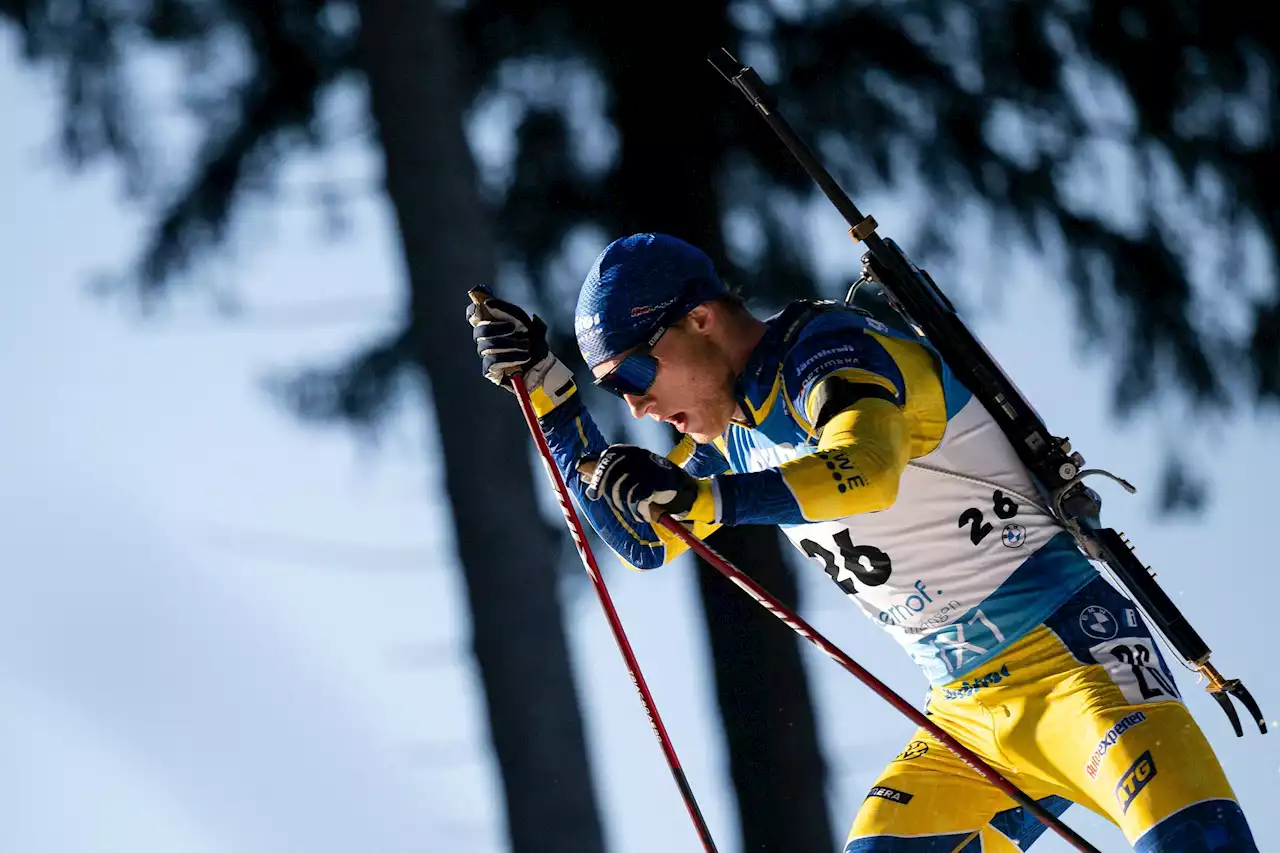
(929, 801)
(1138, 764)
(1083, 709)
(1093, 712)
(1160, 765)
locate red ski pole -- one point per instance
(478, 296)
(793, 621)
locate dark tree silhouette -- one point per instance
(407, 55)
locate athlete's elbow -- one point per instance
(643, 558)
(885, 492)
(872, 489)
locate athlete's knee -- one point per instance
(888, 823)
(893, 820)
(985, 841)
(915, 844)
(1211, 826)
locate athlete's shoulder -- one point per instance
(808, 319)
(830, 338)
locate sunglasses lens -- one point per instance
(633, 375)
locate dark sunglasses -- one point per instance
(635, 374)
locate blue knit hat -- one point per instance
(637, 284)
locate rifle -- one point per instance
(1058, 470)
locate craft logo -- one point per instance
(1109, 740)
(915, 749)
(893, 795)
(1134, 780)
(582, 324)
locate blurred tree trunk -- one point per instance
(666, 181)
(508, 557)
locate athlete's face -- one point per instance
(693, 387)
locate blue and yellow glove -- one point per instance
(641, 485)
(509, 341)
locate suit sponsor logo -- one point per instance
(968, 688)
(915, 749)
(1109, 740)
(893, 795)
(1137, 777)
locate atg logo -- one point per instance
(1134, 780)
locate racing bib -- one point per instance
(963, 563)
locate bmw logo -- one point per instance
(1097, 622)
(1014, 535)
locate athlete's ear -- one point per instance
(701, 319)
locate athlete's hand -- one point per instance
(508, 342)
(641, 485)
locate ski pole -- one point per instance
(479, 296)
(793, 621)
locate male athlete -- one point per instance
(857, 441)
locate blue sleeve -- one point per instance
(700, 460)
(572, 434)
(832, 344)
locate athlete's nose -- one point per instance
(640, 404)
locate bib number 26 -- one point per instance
(979, 527)
(865, 563)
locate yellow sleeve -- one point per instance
(860, 459)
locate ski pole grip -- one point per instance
(479, 296)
